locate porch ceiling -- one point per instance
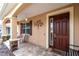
(6, 8)
(38, 8)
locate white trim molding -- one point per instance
(71, 24)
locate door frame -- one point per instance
(71, 24)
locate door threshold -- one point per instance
(62, 53)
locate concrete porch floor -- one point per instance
(28, 49)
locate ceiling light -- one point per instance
(26, 19)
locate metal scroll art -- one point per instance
(38, 23)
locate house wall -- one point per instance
(76, 34)
(38, 36)
(38, 33)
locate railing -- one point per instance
(72, 52)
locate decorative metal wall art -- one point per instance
(38, 23)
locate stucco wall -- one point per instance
(38, 33)
(76, 24)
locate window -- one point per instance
(8, 30)
(26, 28)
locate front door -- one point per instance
(60, 31)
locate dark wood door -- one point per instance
(61, 31)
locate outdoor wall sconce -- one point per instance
(26, 19)
(38, 23)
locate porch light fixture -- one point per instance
(26, 19)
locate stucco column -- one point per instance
(13, 34)
(18, 29)
(13, 28)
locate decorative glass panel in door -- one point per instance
(50, 31)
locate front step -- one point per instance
(62, 53)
